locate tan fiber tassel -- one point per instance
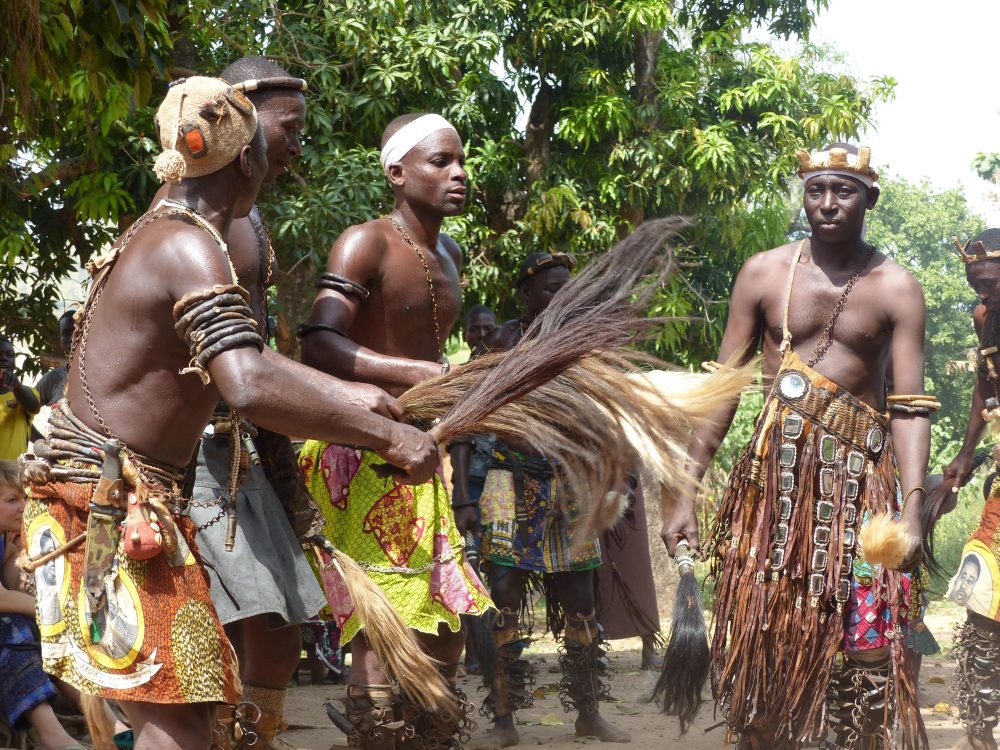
(565, 391)
(99, 726)
(884, 541)
(394, 644)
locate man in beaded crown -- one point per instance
(791, 589)
(386, 304)
(976, 584)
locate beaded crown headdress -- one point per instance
(838, 161)
(979, 251)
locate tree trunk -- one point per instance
(295, 293)
(538, 132)
(647, 46)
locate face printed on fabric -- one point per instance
(967, 577)
(282, 117)
(11, 507)
(478, 327)
(539, 289)
(835, 207)
(984, 278)
(433, 173)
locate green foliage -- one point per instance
(581, 118)
(79, 78)
(914, 223)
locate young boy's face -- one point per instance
(11, 507)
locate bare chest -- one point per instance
(820, 315)
(420, 292)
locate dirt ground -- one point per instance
(546, 724)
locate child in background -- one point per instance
(25, 690)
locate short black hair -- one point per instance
(990, 239)
(398, 122)
(255, 67)
(67, 313)
(477, 310)
(971, 558)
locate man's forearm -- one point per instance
(460, 454)
(911, 435)
(289, 398)
(27, 399)
(343, 358)
(706, 441)
(977, 425)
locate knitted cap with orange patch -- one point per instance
(203, 123)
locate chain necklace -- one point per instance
(826, 339)
(430, 286)
(81, 333)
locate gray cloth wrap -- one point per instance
(267, 571)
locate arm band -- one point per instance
(306, 328)
(212, 321)
(913, 403)
(342, 285)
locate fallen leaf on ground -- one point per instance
(942, 708)
(551, 720)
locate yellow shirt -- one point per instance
(15, 426)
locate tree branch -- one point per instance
(54, 173)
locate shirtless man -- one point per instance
(975, 584)
(265, 586)
(789, 581)
(165, 334)
(386, 304)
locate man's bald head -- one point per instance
(253, 68)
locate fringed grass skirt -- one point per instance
(790, 591)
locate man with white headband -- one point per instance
(388, 300)
(809, 638)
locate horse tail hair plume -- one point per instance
(687, 660)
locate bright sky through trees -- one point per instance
(947, 105)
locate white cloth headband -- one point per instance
(821, 157)
(408, 136)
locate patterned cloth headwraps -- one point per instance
(203, 124)
(408, 136)
(212, 321)
(838, 161)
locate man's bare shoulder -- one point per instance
(360, 246)
(979, 318)
(893, 279)
(451, 247)
(767, 263)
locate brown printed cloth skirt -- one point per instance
(790, 592)
(163, 642)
